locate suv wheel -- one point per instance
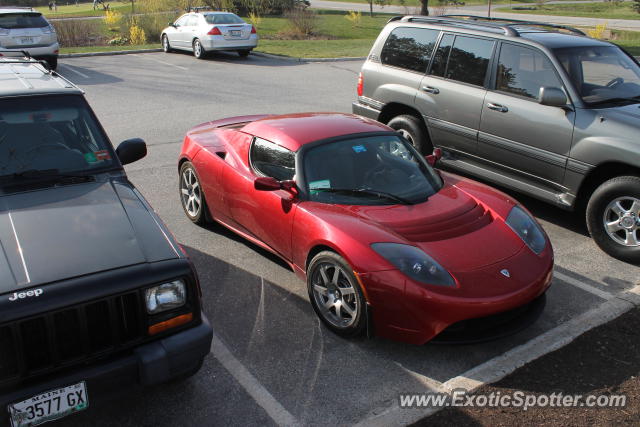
(613, 217)
(413, 131)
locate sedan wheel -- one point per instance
(336, 295)
(191, 194)
(165, 44)
(613, 217)
(198, 50)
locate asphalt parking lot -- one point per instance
(272, 362)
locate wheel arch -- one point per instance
(599, 175)
(393, 109)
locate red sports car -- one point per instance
(386, 243)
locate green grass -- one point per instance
(607, 10)
(629, 40)
(316, 48)
(90, 49)
(83, 9)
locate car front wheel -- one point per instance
(165, 44)
(335, 294)
(198, 50)
(191, 194)
(413, 130)
(613, 217)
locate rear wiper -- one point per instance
(365, 191)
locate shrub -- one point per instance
(354, 17)
(598, 32)
(112, 19)
(79, 32)
(303, 20)
(137, 35)
(118, 41)
(636, 5)
(254, 19)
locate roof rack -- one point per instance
(25, 59)
(506, 25)
(515, 22)
(23, 52)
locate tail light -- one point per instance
(253, 29)
(215, 31)
(360, 84)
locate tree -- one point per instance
(424, 8)
(379, 3)
(636, 5)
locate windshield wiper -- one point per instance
(365, 191)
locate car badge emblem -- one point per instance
(505, 273)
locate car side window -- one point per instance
(192, 21)
(442, 55)
(409, 48)
(182, 21)
(523, 71)
(469, 60)
(272, 160)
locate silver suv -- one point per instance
(535, 107)
(26, 30)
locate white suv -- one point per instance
(24, 29)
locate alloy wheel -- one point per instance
(622, 221)
(191, 194)
(335, 295)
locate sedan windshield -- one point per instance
(603, 75)
(223, 18)
(53, 133)
(374, 170)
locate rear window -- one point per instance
(223, 18)
(22, 20)
(409, 48)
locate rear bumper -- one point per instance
(364, 110)
(38, 52)
(149, 364)
(219, 43)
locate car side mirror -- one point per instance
(266, 183)
(131, 150)
(433, 158)
(173, 24)
(552, 96)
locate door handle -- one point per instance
(497, 107)
(430, 89)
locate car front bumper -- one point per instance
(220, 43)
(149, 364)
(405, 310)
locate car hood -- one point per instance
(627, 114)
(68, 231)
(461, 226)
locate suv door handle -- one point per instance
(497, 107)
(430, 89)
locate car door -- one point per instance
(516, 132)
(451, 95)
(266, 215)
(175, 33)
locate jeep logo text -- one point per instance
(23, 295)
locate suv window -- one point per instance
(523, 71)
(469, 60)
(409, 48)
(272, 160)
(22, 20)
(442, 55)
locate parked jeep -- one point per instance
(535, 107)
(95, 294)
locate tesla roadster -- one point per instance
(388, 245)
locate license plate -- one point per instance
(26, 40)
(235, 33)
(49, 406)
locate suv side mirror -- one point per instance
(131, 150)
(433, 158)
(552, 96)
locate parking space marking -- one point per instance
(251, 385)
(588, 288)
(66, 67)
(150, 58)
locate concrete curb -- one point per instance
(294, 59)
(108, 53)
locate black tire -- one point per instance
(414, 131)
(603, 201)
(196, 215)
(349, 294)
(53, 62)
(198, 49)
(166, 46)
(244, 53)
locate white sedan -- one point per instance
(204, 32)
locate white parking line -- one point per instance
(66, 67)
(578, 284)
(150, 58)
(251, 385)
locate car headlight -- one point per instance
(414, 263)
(527, 228)
(167, 296)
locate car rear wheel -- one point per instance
(53, 63)
(244, 53)
(198, 50)
(335, 294)
(413, 130)
(613, 217)
(166, 47)
(191, 194)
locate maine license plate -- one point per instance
(235, 33)
(26, 40)
(49, 406)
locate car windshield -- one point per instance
(53, 133)
(22, 20)
(223, 18)
(601, 74)
(373, 170)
